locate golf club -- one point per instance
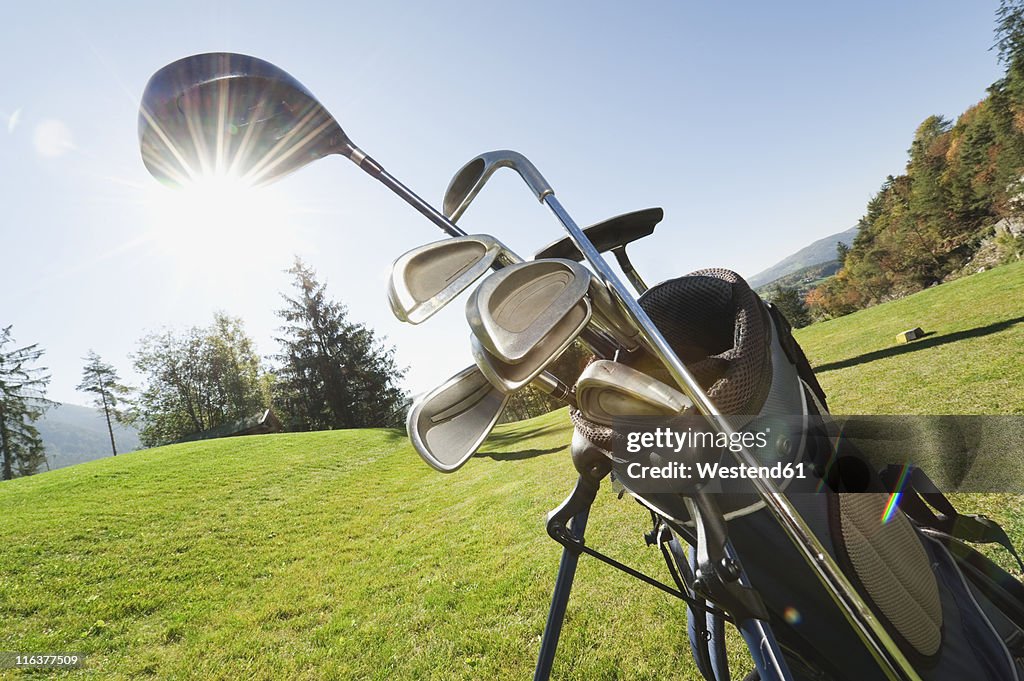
(447, 425)
(610, 392)
(610, 235)
(472, 177)
(514, 311)
(234, 115)
(613, 234)
(429, 277)
(229, 114)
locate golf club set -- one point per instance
(523, 315)
(751, 563)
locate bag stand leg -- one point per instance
(560, 599)
(576, 507)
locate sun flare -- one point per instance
(220, 224)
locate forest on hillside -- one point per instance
(963, 188)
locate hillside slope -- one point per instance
(971, 361)
(821, 251)
(325, 555)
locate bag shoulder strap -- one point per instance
(922, 501)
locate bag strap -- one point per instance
(922, 501)
(796, 354)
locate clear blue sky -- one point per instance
(759, 127)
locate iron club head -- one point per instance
(447, 425)
(427, 278)
(530, 306)
(471, 178)
(609, 392)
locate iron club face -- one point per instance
(447, 425)
(517, 310)
(609, 392)
(427, 278)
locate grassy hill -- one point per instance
(971, 361)
(323, 555)
(341, 555)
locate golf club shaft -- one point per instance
(867, 626)
(626, 265)
(376, 171)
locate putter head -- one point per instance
(427, 278)
(447, 425)
(226, 114)
(610, 393)
(530, 307)
(471, 178)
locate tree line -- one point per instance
(329, 373)
(961, 178)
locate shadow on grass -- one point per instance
(514, 433)
(518, 456)
(930, 341)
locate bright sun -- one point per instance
(220, 225)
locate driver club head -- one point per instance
(472, 177)
(529, 309)
(427, 278)
(611, 392)
(232, 115)
(447, 425)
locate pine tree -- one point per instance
(22, 402)
(791, 305)
(332, 373)
(101, 379)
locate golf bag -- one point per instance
(953, 612)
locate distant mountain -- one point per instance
(803, 280)
(821, 251)
(72, 434)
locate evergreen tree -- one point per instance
(101, 379)
(841, 251)
(22, 402)
(789, 302)
(333, 373)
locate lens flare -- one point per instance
(792, 616)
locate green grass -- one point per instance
(341, 555)
(972, 361)
(324, 555)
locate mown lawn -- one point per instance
(323, 555)
(971, 361)
(341, 555)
